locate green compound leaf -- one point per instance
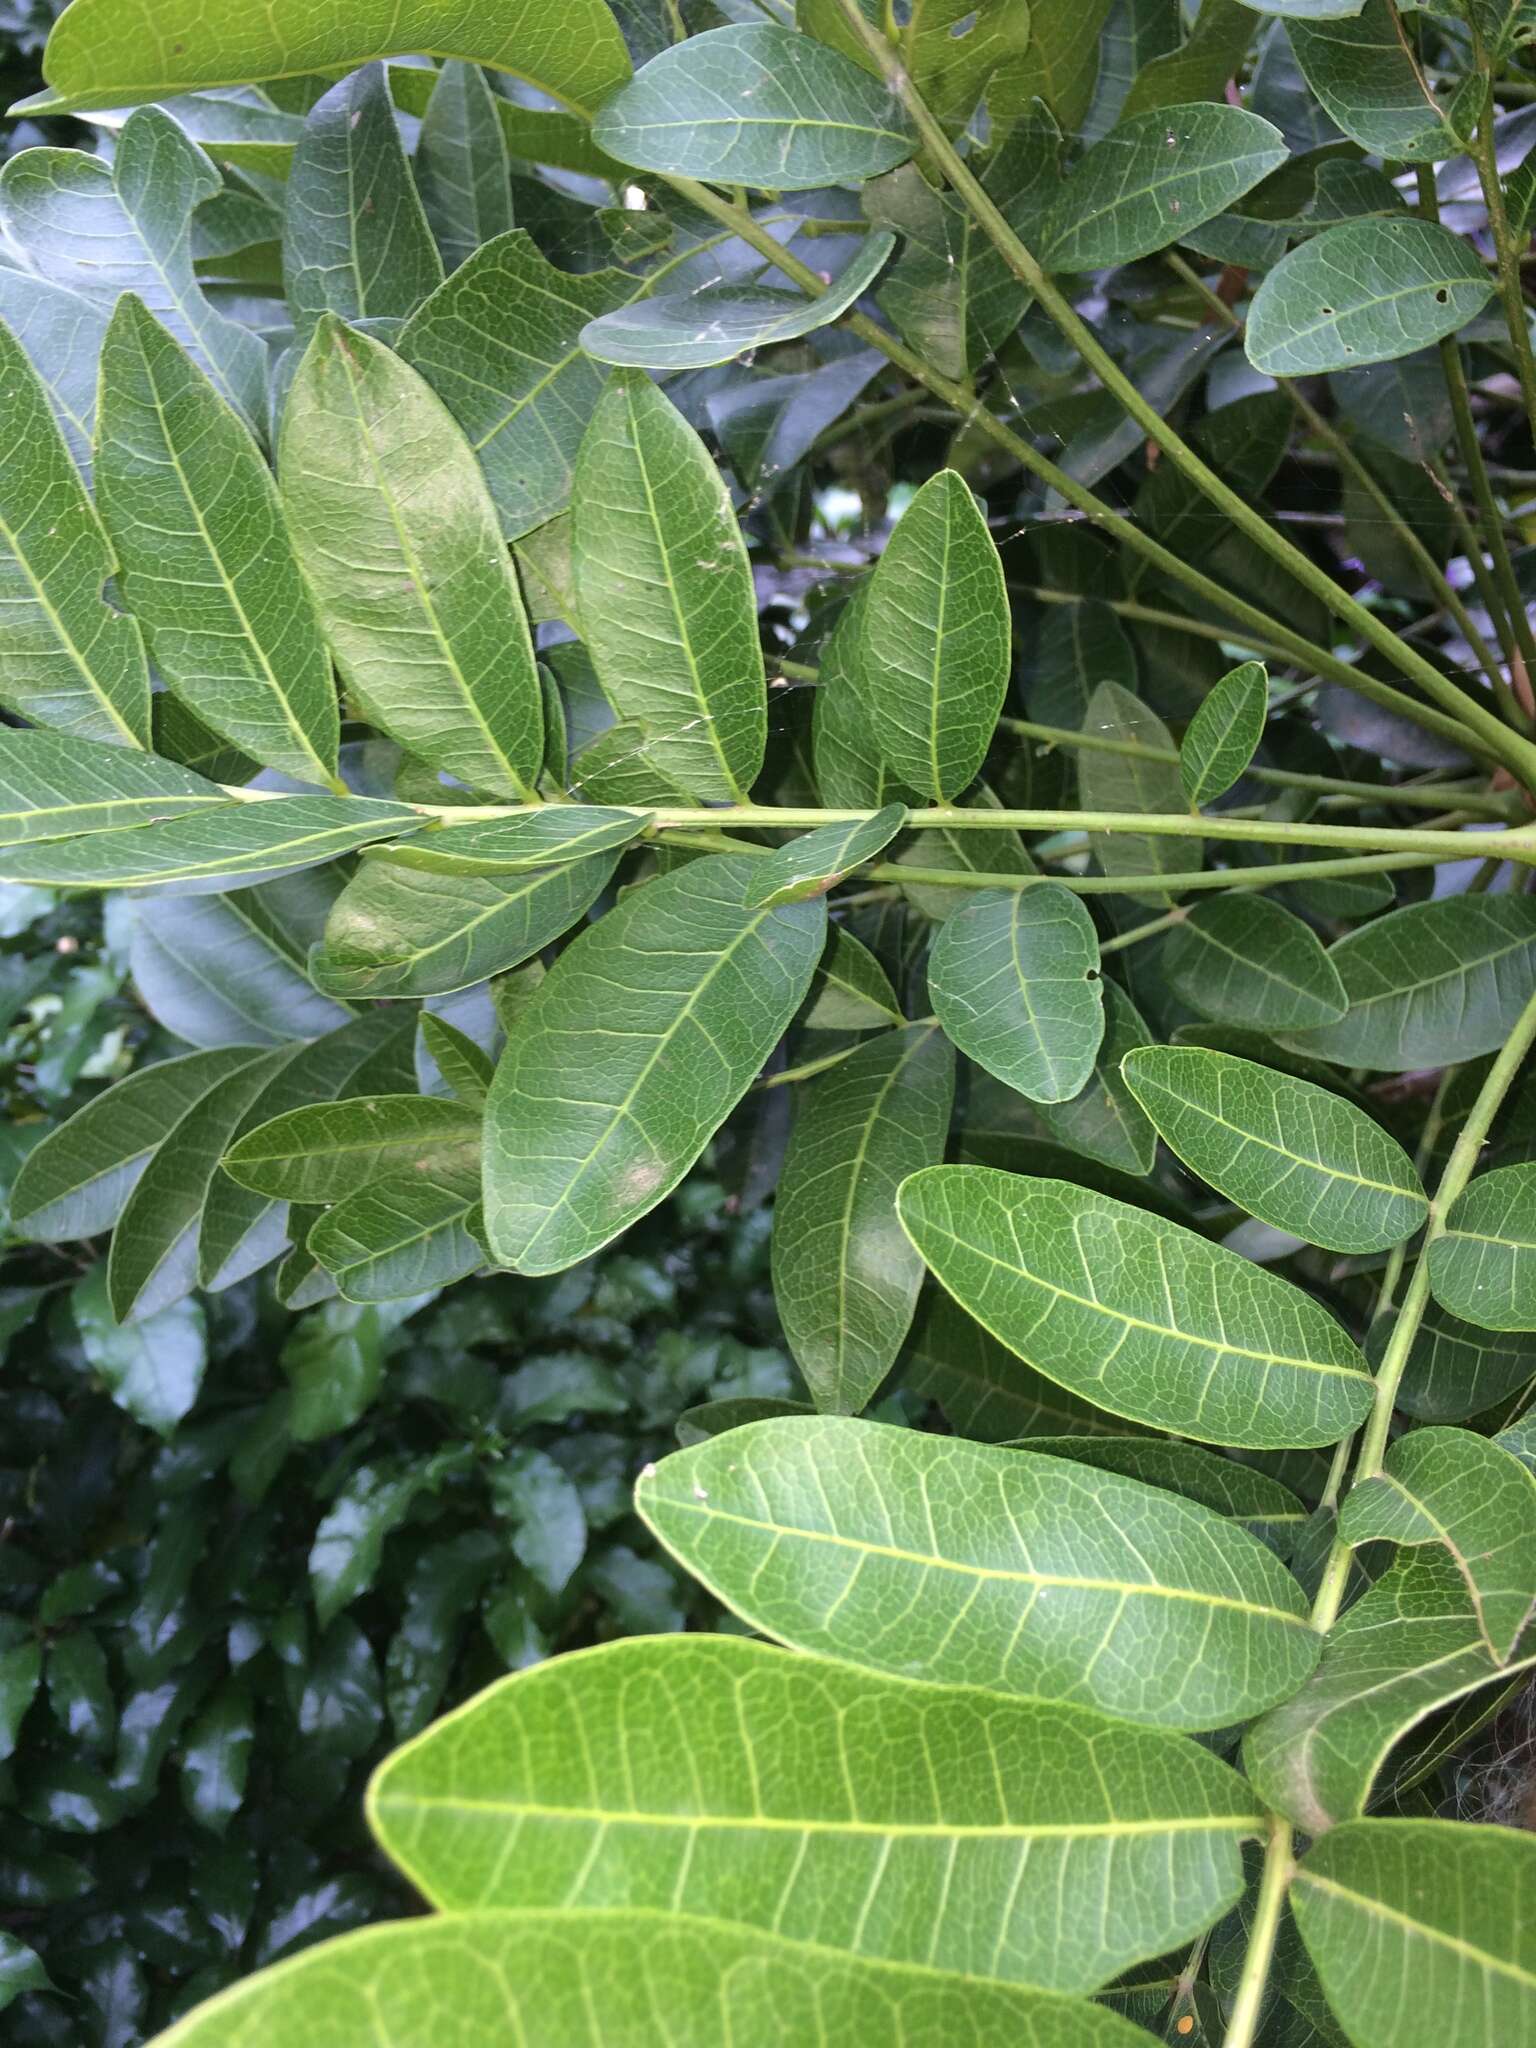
(1014, 980)
(1483, 1265)
(500, 344)
(690, 330)
(756, 104)
(1368, 84)
(1366, 292)
(864, 1542)
(1135, 1314)
(463, 171)
(1431, 984)
(1269, 1510)
(1244, 959)
(58, 787)
(248, 842)
(74, 1182)
(1430, 1918)
(67, 659)
(154, 1257)
(665, 593)
(399, 541)
(1051, 1847)
(1295, 1155)
(406, 1234)
(1448, 1486)
(101, 230)
(850, 990)
(1456, 1370)
(818, 861)
(1411, 1646)
(845, 1279)
(543, 838)
(328, 1150)
(1104, 1121)
(355, 239)
(398, 931)
(1224, 734)
(596, 1976)
(1146, 781)
(931, 642)
(594, 1118)
(113, 52)
(1154, 178)
(190, 504)
(985, 1392)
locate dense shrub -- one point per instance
(888, 653)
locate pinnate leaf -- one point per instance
(705, 1983)
(516, 846)
(845, 1278)
(1483, 1264)
(1365, 292)
(931, 642)
(190, 505)
(1297, 1156)
(1448, 1486)
(1014, 980)
(1431, 983)
(1412, 1645)
(756, 104)
(327, 1150)
(689, 330)
(1430, 1918)
(102, 229)
(1142, 1823)
(1224, 733)
(500, 344)
(1135, 1314)
(665, 591)
(355, 238)
(58, 787)
(67, 659)
(817, 861)
(1153, 178)
(247, 842)
(589, 1125)
(856, 1539)
(398, 538)
(1244, 959)
(398, 931)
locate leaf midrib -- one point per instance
(1125, 1589)
(995, 1831)
(1346, 1372)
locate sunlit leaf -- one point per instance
(845, 1278)
(1296, 1156)
(588, 1128)
(1014, 981)
(1077, 1585)
(1142, 1824)
(1135, 1314)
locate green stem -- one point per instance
(1348, 461)
(1459, 1169)
(1423, 796)
(1512, 606)
(1247, 2007)
(1202, 629)
(1272, 876)
(1138, 932)
(1272, 636)
(1506, 254)
(1517, 753)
